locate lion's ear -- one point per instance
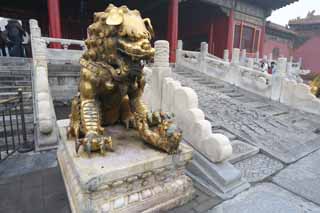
(114, 18)
(149, 27)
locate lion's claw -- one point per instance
(94, 142)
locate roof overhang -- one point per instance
(266, 4)
(272, 4)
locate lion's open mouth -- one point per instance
(139, 50)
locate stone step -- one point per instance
(15, 82)
(15, 61)
(15, 88)
(15, 78)
(227, 91)
(56, 68)
(4, 95)
(24, 67)
(29, 131)
(27, 103)
(235, 95)
(24, 82)
(242, 151)
(3, 145)
(216, 86)
(14, 72)
(28, 110)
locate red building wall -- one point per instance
(285, 48)
(220, 35)
(310, 52)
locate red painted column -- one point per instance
(211, 40)
(230, 31)
(262, 38)
(54, 20)
(173, 15)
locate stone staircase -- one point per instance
(15, 73)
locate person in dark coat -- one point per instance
(3, 42)
(15, 37)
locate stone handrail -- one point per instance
(46, 132)
(211, 151)
(245, 73)
(166, 94)
(65, 42)
(65, 55)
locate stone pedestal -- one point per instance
(134, 178)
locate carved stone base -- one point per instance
(134, 178)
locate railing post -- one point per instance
(250, 62)
(202, 57)
(270, 58)
(226, 55)
(257, 57)
(277, 79)
(26, 146)
(235, 55)
(44, 114)
(300, 63)
(161, 69)
(243, 56)
(179, 51)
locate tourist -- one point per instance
(15, 37)
(27, 45)
(264, 66)
(272, 68)
(3, 42)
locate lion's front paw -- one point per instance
(171, 137)
(94, 142)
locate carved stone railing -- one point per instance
(46, 132)
(247, 74)
(190, 58)
(65, 55)
(164, 93)
(65, 43)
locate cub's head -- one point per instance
(120, 31)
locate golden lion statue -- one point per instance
(112, 83)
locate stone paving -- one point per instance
(302, 178)
(284, 174)
(41, 189)
(258, 167)
(32, 185)
(288, 140)
(266, 198)
(259, 126)
(241, 151)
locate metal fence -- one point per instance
(13, 134)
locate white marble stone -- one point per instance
(299, 96)
(194, 115)
(250, 62)
(226, 55)
(185, 98)
(134, 178)
(243, 56)
(236, 55)
(217, 147)
(200, 131)
(266, 198)
(166, 95)
(45, 128)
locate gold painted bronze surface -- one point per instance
(315, 86)
(112, 83)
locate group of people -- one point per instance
(269, 68)
(14, 40)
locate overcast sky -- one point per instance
(300, 8)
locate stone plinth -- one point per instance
(134, 178)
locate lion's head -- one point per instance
(119, 31)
